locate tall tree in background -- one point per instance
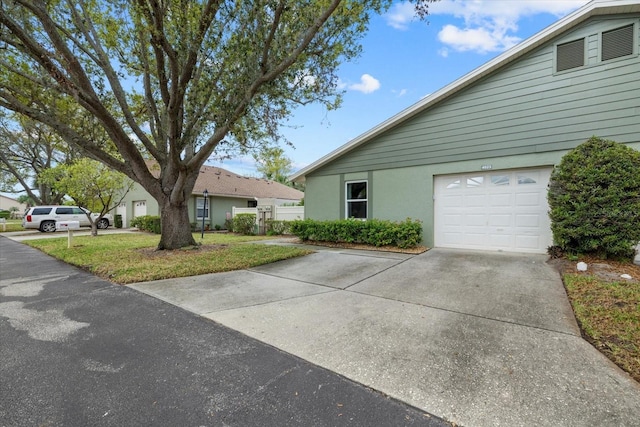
(27, 149)
(273, 164)
(91, 185)
(174, 81)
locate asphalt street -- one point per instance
(77, 351)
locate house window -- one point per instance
(617, 43)
(356, 203)
(200, 208)
(570, 55)
(252, 203)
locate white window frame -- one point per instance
(347, 200)
(200, 205)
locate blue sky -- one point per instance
(404, 60)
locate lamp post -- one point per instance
(205, 194)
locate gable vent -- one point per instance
(617, 43)
(570, 55)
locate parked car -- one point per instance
(44, 218)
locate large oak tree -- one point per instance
(173, 82)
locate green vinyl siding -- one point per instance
(523, 108)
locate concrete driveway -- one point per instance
(477, 338)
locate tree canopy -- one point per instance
(91, 185)
(173, 82)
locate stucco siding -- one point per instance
(524, 108)
(323, 202)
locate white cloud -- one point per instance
(400, 15)
(481, 40)
(489, 25)
(367, 84)
(399, 93)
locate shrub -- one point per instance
(228, 224)
(117, 221)
(149, 223)
(5, 214)
(594, 200)
(245, 224)
(276, 227)
(376, 232)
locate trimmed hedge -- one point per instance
(594, 200)
(376, 232)
(149, 223)
(245, 224)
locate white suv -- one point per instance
(44, 218)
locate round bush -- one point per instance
(594, 200)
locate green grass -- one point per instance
(129, 258)
(12, 225)
(609, 316)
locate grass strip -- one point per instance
(609, 316)
(129, 258)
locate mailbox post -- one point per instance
(69, 226)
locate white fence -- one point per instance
(282, 213)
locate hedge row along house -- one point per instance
(225, 190)
(472, 161)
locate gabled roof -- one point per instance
(221, 182)
(591, 9)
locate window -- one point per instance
(252, 203)
(454, 184)
(356, 203)
(570, 55)
(64, 211)
(41, 211)
(200, 208)
(526, 179)
(617, 43)
(475, 181)
(500, 179)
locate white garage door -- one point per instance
(139, 208)
(498, 210)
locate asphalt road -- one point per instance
(76, 350)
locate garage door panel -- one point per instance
(500, 210)
(528, 199)
(524, 242)
(474, 201)
(476, 220)
(501, 200)
(500, 220)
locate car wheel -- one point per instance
(48, 226)
(103, 223)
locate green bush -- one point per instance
(245, 224)
(376, 232)
(276, 227)
(149, 223)
(5, 214)
(228, 224)
(594, 200)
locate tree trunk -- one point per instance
(175, 226)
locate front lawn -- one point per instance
(12, 225)
(129, 258)
(608, 312)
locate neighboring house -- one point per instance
(226, 190)
(6, 203)
(472, 161)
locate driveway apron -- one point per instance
(480, 339)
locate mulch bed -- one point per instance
(606, 270)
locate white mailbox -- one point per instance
(67, 225)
